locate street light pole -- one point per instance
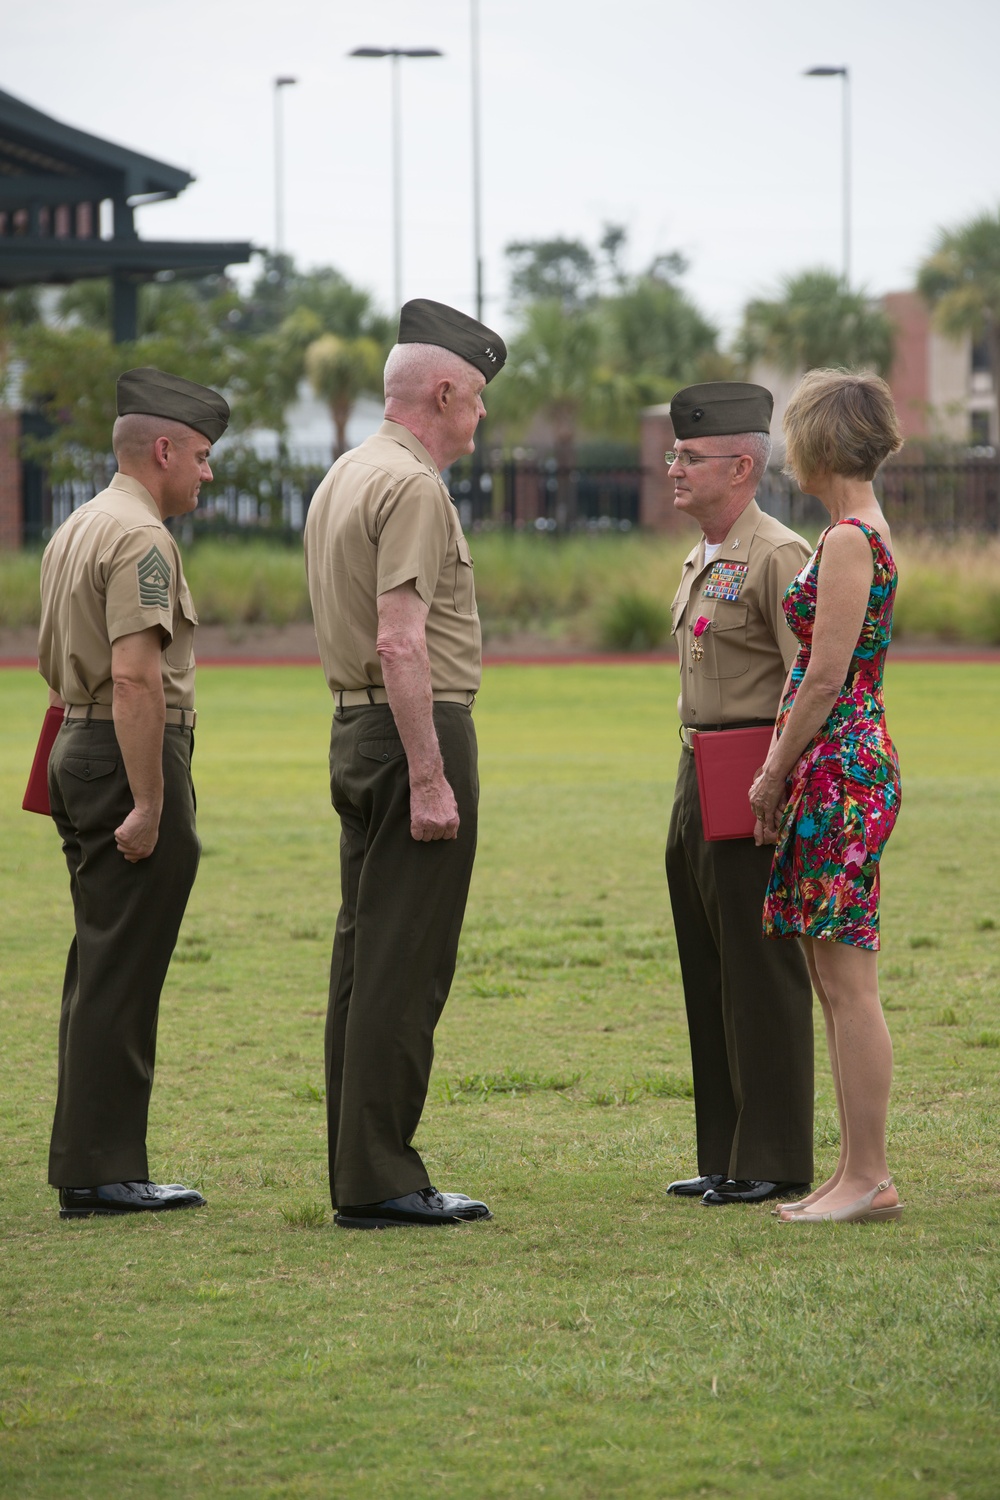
(395, 53)
(845, 98)
(477, 204)
(279, 186)
(397, 188)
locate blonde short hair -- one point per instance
(840, 422)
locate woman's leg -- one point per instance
(848, 978)
(831, 1047)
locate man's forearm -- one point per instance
(402, 650)
(406, 673)
(139, 718)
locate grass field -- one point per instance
(595, 1339)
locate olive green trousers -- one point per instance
(394, 949)
(748, 1001)
(127, 920)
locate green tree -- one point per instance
(817, 321)
(340, 370)
(19, 311)
(568, 271)
(273, 367)
(169, 304)
(252, 347)
(284, 313)
(70, 375)
(557, 270)
(961, 281)
(552, 371)
(602, 344)
(655, 332)
(281, 289)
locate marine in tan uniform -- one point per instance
(390, 579)
(116, 647)
(749, 1002)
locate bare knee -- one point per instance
(846, 975)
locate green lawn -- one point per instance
(595, 1339)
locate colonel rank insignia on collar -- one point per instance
(725, 580)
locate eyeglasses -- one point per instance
(692, 460)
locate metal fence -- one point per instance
(542, 495)
(948, 499)
(251, 495)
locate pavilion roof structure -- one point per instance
(53, 181)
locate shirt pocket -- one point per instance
(725, 642)
(465, 589)
(180, 653)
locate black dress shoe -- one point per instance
(741, 1190)
(696, 1187)
(427, 1207)
(125, 1198)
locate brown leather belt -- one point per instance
(365, 697)
(686, 731)
(183, 716)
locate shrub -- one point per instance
(20, 604)
(635, 622)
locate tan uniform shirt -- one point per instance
(112, 569)
(382, 517)
(735, 668)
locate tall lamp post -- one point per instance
(844, 75)
(279, 184)
(397, 153)
(477, 205)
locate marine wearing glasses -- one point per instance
(686, 460)
(748, 1001)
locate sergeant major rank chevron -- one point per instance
(154, 580)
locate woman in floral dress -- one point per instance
(828, 793)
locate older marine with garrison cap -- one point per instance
(390, 578)
(116, 646)
(749, 1003)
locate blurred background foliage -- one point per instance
(583, 591)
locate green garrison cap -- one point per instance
(424, 322)
(156, 394)
(720, 407)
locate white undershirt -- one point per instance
(712, 550)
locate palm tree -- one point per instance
(553, 371)
(340, 370)
(655, 332)
(272, 368)
(816, 322)
(961, 281)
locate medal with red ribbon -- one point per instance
(698, 630)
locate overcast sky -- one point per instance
(689, 123)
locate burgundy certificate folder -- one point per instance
(726, 761)
(36, 797)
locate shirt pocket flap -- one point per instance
(676, 615)
(465, 592)
(730, 617)
(187, 606)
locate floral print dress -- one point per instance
(844, 790)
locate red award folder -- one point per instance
(726, 761)
(36, 797)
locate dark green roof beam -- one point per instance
(24, 192)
